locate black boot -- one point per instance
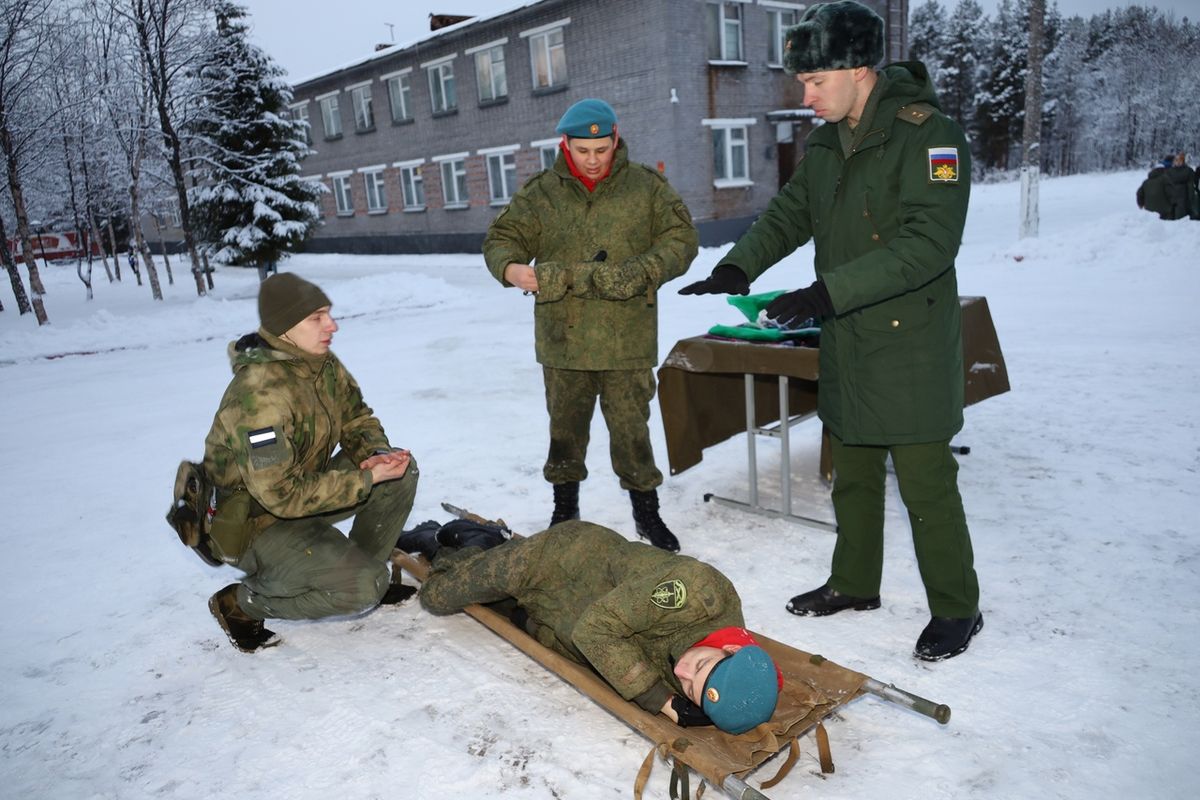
(648, 523)
(946, 637)
(244, 631)
(421, 539)
(566, 502)
(825, 601)
(397, 592)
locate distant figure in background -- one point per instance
(1181, 189)
(1152, 194)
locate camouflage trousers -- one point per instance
(928, 478)
(625, 403)
(308, 569)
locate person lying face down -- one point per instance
(664, 630)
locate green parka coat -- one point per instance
(885, 205)
(270, 449)
(595, 315)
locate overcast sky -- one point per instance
(309, 37)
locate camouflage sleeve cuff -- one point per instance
(654, 698)
(554, 281)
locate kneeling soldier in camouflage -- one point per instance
(664, 630)
(279, 486)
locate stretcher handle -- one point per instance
(938, 711)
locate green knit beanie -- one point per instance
(841, 35)
(284, 299)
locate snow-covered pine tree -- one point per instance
(251, 206)
(928, 36)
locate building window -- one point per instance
(489, 73)
(778, 21)
(454, 180)
(342, 196)
(364, 113)
(502, 174)
(300, 116)
(331, 116)
(411, 184)
(376, 190)
(724, 31)
(441, 86)
(547, 151)
(400, 95)
(547, 55)
(731, 151)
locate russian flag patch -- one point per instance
(263, 437)
(943, 165)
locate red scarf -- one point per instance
(585, 180)
(723, 636)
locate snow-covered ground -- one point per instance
(1082, 489)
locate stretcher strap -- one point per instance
(786, 766)
(823, 749)
(643, 775)
(680, 789)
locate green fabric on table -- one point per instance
(750, 305)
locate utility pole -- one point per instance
(1031, 148)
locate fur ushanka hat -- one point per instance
(841, 35)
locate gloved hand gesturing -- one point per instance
(725, 279)
(690, 715)
(795, 307)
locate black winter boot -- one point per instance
(946, 637)
(566, 502)
(244, 631)
(648, 523)
(421, 539)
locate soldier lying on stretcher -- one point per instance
(664, 630)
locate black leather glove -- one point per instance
(800, 305)
(690, 715)
(725, 279)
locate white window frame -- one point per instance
(504, 161)
(442, 84)
(495, 82)
(411, 182)
(299, 112)
(547, 151)
(375, 184)
(331, 115)
(399, 85)
(343, 192)
(723, 56)
(363, 103)
(776, 27)
(453, 168)
(540, 46)
(725, 126)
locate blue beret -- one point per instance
(741, 691)
(588, 119)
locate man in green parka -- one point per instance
(882, 191)
(605, 234)
(664, 630)
(279, 486)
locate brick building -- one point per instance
(422, 143)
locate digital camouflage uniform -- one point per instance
(627, 609)
(885, 204)
(595, 322)
(270, 452)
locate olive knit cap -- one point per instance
(284, 299)
(830, 36)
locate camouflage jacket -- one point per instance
(628, 609)
(595, 315)
(278, 424)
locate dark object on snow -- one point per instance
(566, 503)
(825, 601)
(397, 593)
(245, 632)
(429, 537)
(648, 523)
(946, 637)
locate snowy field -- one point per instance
(1082, 489)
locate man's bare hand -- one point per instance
(521, 276)
(387, 466)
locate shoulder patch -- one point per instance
(265, 448)
(670, 595)
(943, 165)
(916, 113)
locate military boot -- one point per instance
(946, 637)
(245, 632)
(825, 600)
(397, 592)
(566, 502)
(421, 539)
(648, 523)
